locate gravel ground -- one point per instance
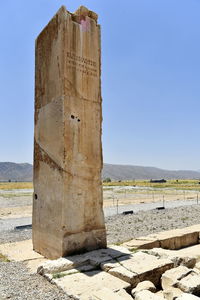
(15, 201)
(17, 284)
(15, 236)
(122, 228)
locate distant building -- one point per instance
(158, 181)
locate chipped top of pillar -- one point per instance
(84, 11)
(81, 12)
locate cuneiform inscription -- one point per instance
(82, 64)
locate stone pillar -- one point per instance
(67, 205)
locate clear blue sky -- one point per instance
(150, 79)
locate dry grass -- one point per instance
(174, 184)
(3, 258)
(15, 185)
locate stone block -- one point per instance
(170, 277)
(144, 285)
(19, 251)
(177, 238)
(110, 264)
(59, 265)
(142, 243)
(189, 284)
(117, 251)
(146, 267)
(124, 295)
(172, 293)
(192, 251)
(172, 239)
(160, 294)
(176, 256)
(95, 258)
(147, 295)
(125, 274)
(83, 285)
(107, 294)
(185, 296)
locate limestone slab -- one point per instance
(177, 256)
(83, 285)
(117, 251)
(110, 264)
(19, 251)
(170, 277)
(95, 258)
(59, 265)
(125, 274)
(84, 269)
(172, 239)
(107, 294)
(172, 293)
(147, 267)
(147, 295)
(144, 285)
(189, 284)
(177, 238)
(185, 296)
(124, 295)
(193, 251)
(142, 243)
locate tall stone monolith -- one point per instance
(67, 205)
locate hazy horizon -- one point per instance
(197, 170)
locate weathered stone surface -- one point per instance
(83, 285)
(160, 294)
(177, 238)
(185, 296)
(197, 266)
(144, 285)
(107, 294)
(142, 243)
(67, 207)
(19, 251)
(117, 251)
(33, 264)
(58, 265)
(95, 258)
(190, 284)
(193, 251)
(106, 266)
(172, 239)
(125, 275)
(170, 277)
(145, 266)
(147, 295)
(122, 293)
(84, 268)
(176, 256)
(172, 293)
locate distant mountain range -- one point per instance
(127, 172)
(24, 172)
(13, 171)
